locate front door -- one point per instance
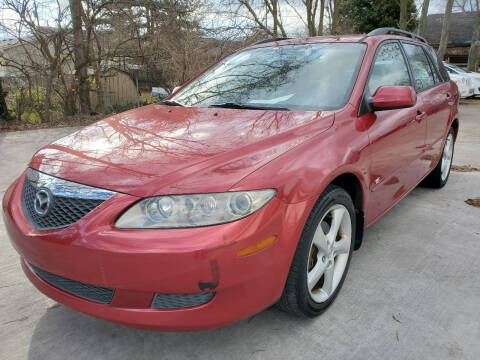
(397, 137)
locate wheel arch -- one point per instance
(352, 185)
(455, 127)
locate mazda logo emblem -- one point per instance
(43, 202)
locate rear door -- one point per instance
(433, 98)
(397, 138)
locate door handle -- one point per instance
(420, 115)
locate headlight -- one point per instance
(182, 211)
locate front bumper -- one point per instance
(137, 264)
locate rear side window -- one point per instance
(388, 69)
(438, 65)
(422, 72)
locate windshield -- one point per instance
(296, 77)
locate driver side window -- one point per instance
(389, 68)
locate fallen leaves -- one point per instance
(474, 202)
(464, 168)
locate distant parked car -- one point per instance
(464, 84)
(159, 92)
(474, 76)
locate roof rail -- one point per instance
(270, 40)
(390, 30)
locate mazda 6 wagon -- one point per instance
(251, 185)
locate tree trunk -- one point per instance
(81, 58)
(320, 20)
(20, 102)
(423, 18)
(271, 7)
(276, 19)
(100, 93)
(336, 16)
(474, 47)
(403, 14)
(473, 56)
(312, 31)
(274, 12)
(48, 96)
(442, 49)
(69, 104)
(3, 104)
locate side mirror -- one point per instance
(393, 97)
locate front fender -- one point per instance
(304, 172)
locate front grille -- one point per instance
(68, 201)
(65, 211)
(177, 301)
(86, 291)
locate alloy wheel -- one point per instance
(329, 253)
(447, 156)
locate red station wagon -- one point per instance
(250, 186)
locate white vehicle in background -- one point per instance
(465, 87)
(474, 76)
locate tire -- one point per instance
(439, 176)
(315, 252)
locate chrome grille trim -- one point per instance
(65, 188)
(69, 201)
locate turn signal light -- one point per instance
(257, 246)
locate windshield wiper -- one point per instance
(232, 105)
(169, 102)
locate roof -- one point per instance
(461, 28)
(330, 39)
(311, 40)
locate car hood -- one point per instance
(161, 149)
(469, 74)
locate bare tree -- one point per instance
(335, 15)
(3, 105)
(80, 49)
(321, 17)
(423, 18)
(271, 10)
(39, 53)
(403, 14)
(311, 7)
(445, 30)
(266, 14)
(465, 5)
(475, 45)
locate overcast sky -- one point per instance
(293, 25)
